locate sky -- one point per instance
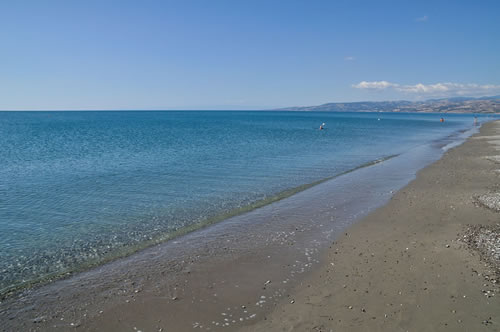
(70, 55)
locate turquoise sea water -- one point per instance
(81, 188)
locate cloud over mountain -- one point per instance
(446, 89)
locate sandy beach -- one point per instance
(407, 266)
(252, 166)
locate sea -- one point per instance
(79, 189)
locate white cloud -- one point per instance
(375, 85)
(424, 18)
(349, 58)
(422, 88)
(438, 89)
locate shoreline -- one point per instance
(172, 236)
(409, 265)
(144, 293)
(32, 260)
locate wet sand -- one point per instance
(271, 269)
(407, 266)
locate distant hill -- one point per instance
(445, 105)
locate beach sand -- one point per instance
(407, 265)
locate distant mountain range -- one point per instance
(445, 105)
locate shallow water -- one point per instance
(80, 188)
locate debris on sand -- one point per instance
(495, 159)
(485, 239)
(489, 200)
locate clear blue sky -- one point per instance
(243, 54)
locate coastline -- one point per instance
(138, 291)
(172, 236)
(406, 266)
(132, 201)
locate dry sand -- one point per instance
(407, 266)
